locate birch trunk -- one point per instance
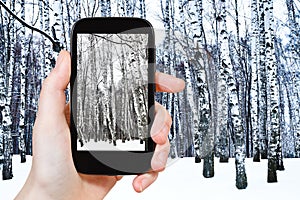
(64, 27)
(102, 5)
(121, 8)
(7, 144)
(24, 50)
(5, 92)
(5, 133)
(232, 92)
(112, 105)
(57, 28)
(222, 131)
(48, 45)
(41, 55)
(293, 63)
(142, 9)
(254, 77)
(204, 134)
(5, 111)
(78, 10)
(262, 80)
(294, 27)
(274, 94)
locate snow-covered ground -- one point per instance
(132, 145)
(183, 180)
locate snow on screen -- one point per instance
(112, 92)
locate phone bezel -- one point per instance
(127, 162)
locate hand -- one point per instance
(53, 175)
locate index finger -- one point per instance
(168, 83)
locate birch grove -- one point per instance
(114, 89)
(240, 60)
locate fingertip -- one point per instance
(168, 83)
(52, 97)
(137, 187)
(180, 84)
(60, 75)
(161, 136)
(142, 182)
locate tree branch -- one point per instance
(56, 46)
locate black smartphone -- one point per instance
(112, 95)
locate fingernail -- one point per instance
(159, 134)
(165, 130)
(154, 129)
(162, 134)
(145, 182)
(141, 186)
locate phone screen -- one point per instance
(112, 92)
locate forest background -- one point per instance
(240, 60)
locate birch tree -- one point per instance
(222, 100)
(57, 28)
(142, 9)
(204, 133)
(254, 82)
(227, 68)
(5, 133)
(166, 65)
(22, 92)
(293, 63)
(188, 75)
(274, 95)
(262, 80)
(6, 101)
(46, 27)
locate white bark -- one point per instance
(142, 9)
(227, 69)
(274, 94)
(262, 80)
(57, 28)
(48, 44)
(254, 77)
(23, 66)
(5, 97)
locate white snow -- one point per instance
(132, 145)
(10, 188)
(183, 179)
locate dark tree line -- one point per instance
(240, 60)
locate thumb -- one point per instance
(52, 98)
(51, 135)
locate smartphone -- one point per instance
(112, 95)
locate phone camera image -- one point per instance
(112, 92)
(112, 95)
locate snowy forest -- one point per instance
(240, 60)
(112, 96)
